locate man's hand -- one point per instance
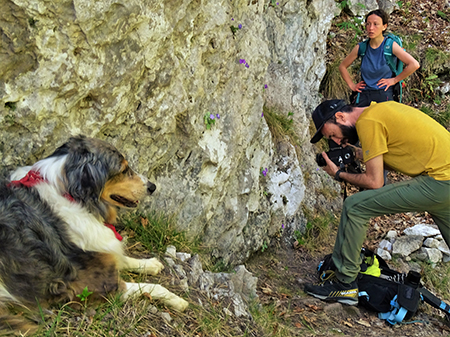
(372, 178)
(331, 167)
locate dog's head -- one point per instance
(97, 175)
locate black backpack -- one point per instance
(394, 296)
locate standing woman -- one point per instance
(377, 77)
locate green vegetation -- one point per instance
(155, 231)
(442, 118)
(436, 278)
(317, 232)
(84, 294)
(333, 85)
(281, 126)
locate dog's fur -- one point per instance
(53, 246)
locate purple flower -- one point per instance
(246, 65)
(262, 114)
(265, 86)
(278, 3)
(218, 116)
(211, 116)
(232, 19)
(282, 225)
(240, 26)
(264, 172)
(241, 61)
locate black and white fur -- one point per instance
(52, 246)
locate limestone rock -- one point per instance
(423, 230)
(143, 75)
(433, 255)
(405, 245)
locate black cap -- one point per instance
(324, 112)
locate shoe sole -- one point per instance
(347, 301)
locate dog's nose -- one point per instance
(151, 187)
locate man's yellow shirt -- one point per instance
(410, 141)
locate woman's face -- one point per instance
(374, 26)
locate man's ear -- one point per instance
(340, 116)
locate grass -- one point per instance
(281, 126)
(437, 278)
(155, 231)
(268, 318)
(442, 118)
(112, 318)
(333, 85)
(317, 231)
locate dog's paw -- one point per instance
(150, 266)
(177, 303)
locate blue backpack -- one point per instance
(395, 64)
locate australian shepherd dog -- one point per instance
(55, 231)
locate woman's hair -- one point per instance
(381, 13)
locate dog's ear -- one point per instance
(86, 177)
(86, 171)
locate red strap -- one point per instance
(32, 178)
(111, 227)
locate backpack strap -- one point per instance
(397, 66)
(388, 54)
(434, 301)
(397, 314)
(362, 48)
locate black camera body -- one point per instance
(339, 155)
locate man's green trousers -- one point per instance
(422, 193)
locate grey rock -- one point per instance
(423, 230)
(166, 316)
(431, 243)
(433, 255)
(386, 245)
(391, 235)
(171, 252)
(183, 257)
(384, 254)
(443, 247)
(405, 245)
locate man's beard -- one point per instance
(349, 133)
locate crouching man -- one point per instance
(400, 138)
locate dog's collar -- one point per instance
(33, 178)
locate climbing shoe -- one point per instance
(331, 289)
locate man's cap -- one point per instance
(324, 112)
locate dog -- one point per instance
(56, 234)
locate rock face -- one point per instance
(144, 75)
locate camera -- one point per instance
(339, 155)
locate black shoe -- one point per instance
(330, 289)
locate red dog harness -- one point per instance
(33, 178)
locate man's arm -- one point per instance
(371, 179)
